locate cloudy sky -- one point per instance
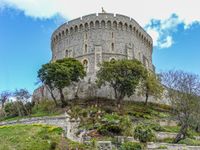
(26, 27)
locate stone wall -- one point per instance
(69, 126)
(86, 89)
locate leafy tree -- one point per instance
(4, 96)
(60, 74)
(151, 86)
(184, 92)
(144, 134)
(122, 75)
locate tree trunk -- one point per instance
(147, 97)
(54, 99)
(198, 128)
(182, 133)
(62, 97)
(52, 95)
(2, 104)
(119, 103)
(77, 90)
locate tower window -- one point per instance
(85, 65)
(86, 48)
(66, 53)
(86, 36)
(112, 46)
(112, 35)
(112, 60)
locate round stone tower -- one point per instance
(93, 39)
(101, 37)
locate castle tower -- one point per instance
(93, 39)
(101, 37)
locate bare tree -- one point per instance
(23, 97)
(4, 96)
(184, 92)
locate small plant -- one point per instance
(162, 147)
(94, 144)
(144, 134)
(130, 146)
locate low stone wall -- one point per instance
(59, 121)
(156, 146)
(166, 122)
(69, 126)
(165, 135)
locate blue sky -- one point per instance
(25, 33)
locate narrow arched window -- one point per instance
(85, 65)
(59, 36)
(120, 25)
(67, 31)
(71, 30)
(86, 36)
(91, 24)
(63, 33)
(76, 29)
(112, 47)
(81, 27)
(126, 26)
(109, 24)
(112, 35)
(66, 53)
(115, 25)
(86, 48)
(86, 26)
(103, 24)
(97, 24)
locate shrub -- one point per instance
(11, 109)
(109, 129)
(144, 134)
(156, 127)
(130, 146)
(44, 106)
(110, 125)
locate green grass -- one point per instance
(28, 137)
(35, 137)
(173, 129)
(189, 141)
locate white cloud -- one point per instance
(143, 11)
(167, 42)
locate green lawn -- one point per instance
(28, 137)
(34, 137)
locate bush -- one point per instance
(44, 106)
(156, 127)
(110, 125)
(144, 134)
(130, 146)
(11, 109)
(109, 129)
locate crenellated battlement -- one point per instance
(102, 20)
